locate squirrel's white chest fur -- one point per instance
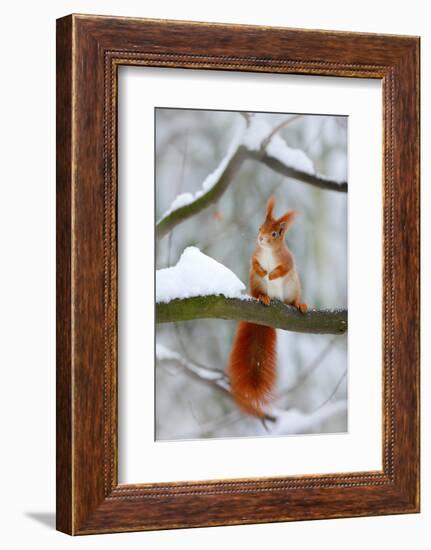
(283, 288)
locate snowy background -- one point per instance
(312, 369)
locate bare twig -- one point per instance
(179, 186)
(334, 391)
(246, 116)
(186, 353)
(237, 224)
(309, 370)
(277, 128)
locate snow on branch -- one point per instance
(260, 137)
(276, 164)
(293, 421)
(278, 421)
(188, 204)
(264, 145)
(199, 287)
(196, 274)
(216, 379)
(212, 377)
(258, 142)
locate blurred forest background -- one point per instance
(312, 369)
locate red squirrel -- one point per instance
(252, 362)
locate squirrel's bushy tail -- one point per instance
(252, 367)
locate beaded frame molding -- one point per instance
(89, 51)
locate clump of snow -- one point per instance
(180, 201)
(256, 132)
(213, 178)
(259, 130)
(294, 158)
(196, 274)
(165, 354)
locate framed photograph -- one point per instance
(237, 274)
(271, 384)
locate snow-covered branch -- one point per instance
(216, 379)
(284, 169)
(199, 287)
(187, 205)
(264, 145)
(293, 421)
(281, 421)
(209, 376)
(257, 142)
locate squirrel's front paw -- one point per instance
(265, 299)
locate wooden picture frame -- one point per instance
(89, 51)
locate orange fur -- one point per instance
(252, 367)
(252, 363)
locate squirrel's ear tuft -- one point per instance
(287, 219)
(270, 206)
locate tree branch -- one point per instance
(214, 378)
(277, 315)
(282, 421)
(168, 222)
(313, 179)
(308, 371)
(277, 128)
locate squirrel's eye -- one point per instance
(274, 234)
